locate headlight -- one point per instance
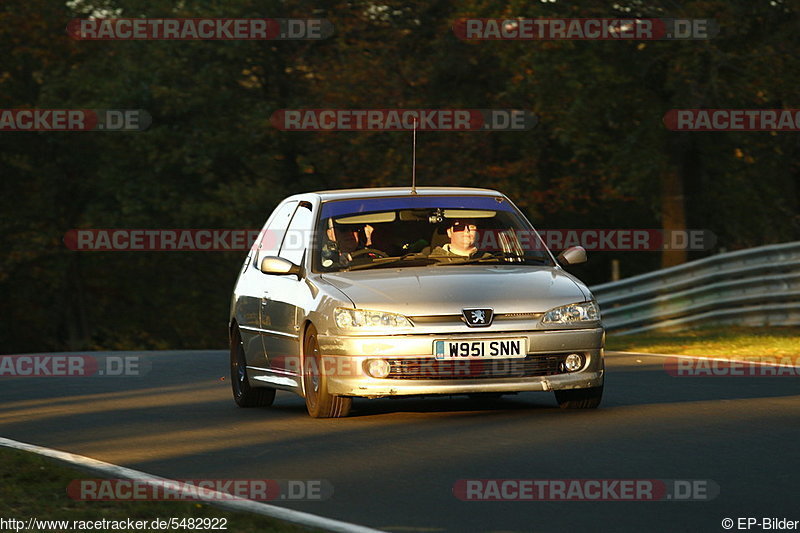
(365, 319)
(570, 314)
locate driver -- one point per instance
(344, 240)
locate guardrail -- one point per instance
(753, 287)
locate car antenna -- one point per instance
(414, 159)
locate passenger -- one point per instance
(463, 235)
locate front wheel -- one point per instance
(319, 402)
(579, 398)
(243, 394)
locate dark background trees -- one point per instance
(599, 158)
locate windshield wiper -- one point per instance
(388, 261)
(487, 257)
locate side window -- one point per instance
(298, 236)
(273, 232)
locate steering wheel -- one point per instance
(368, 251)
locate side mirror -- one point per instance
(574, 255)
(279, 266)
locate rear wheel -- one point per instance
(243, 394)
(579, 398)
(319, 402)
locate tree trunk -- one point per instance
(673, 209)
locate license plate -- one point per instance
(481, 349)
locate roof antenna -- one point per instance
(414, 160)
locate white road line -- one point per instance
(709, 358)
(217, 498)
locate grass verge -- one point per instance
(36, 486)
(741, 342)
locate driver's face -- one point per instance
(347, 238)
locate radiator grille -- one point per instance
(430, 368)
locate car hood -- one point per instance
(448, 290)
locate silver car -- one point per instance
(391, 292)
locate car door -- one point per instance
(282, 309)
(252, 283)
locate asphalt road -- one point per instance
(394, 462)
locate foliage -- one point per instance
(598, 157)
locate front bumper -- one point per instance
(344, 360)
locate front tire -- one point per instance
(579, 398)
(319, 402)
(243, 394)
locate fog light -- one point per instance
(378, 368)
(573, 362)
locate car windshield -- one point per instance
(432, 231)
